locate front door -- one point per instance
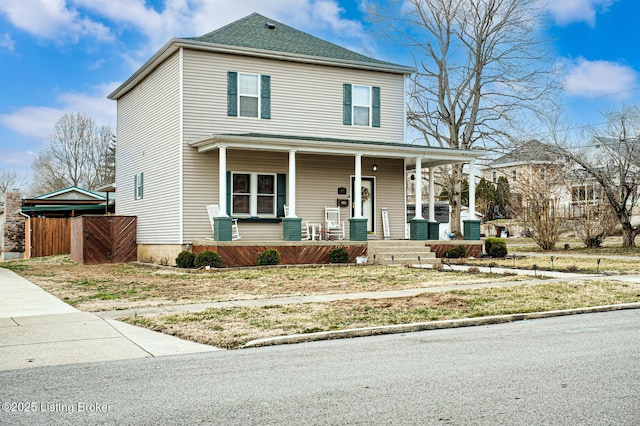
(368, 201)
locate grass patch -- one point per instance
(233, 327)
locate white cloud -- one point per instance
(567, 11)
(598, 78)
(39, 121)
(52, 20)
(6, 42)
(179, 18)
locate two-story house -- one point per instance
(258, 115)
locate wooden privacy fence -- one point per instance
(48, 236)
(104, 239)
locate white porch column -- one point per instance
(472, 190)
(292, 184)
(418, 188)
(222, 180)
(432, 196)
(357, 190)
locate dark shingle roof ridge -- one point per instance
(252, 32)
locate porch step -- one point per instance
(400, 252)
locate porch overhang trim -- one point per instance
(431, 156)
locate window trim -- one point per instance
(253, 195)
(258, 96)
(138, 186)
(355, 105)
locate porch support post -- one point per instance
(434, 227)
(358, 224)
(222, 224)
(291, 224)
(472, 226)
(418, 225)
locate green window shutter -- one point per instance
(375, 106)
(141, 186)
(282, 194)
(265, 96)
(232, 94)
(229, 193)
(135, 187)
(347, 104)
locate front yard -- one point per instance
(96, 288)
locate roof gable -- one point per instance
(71, 193)
(259, 32)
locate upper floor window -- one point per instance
(248, 95)
(361, 105)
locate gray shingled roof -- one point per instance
(529, 151)
(254, 33)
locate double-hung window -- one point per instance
(361, 105)
(253, 195)
(248, 95)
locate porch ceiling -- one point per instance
(430, 156)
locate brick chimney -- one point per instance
(13, 229)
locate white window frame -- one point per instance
(249, 95)
(253, 195)
(369, 106)
(139, 186)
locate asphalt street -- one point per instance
(582, 369)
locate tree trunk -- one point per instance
(455, 199)
(628, 235)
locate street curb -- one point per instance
(431, 325)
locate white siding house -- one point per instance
(260, 104)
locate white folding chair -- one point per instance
(334, 228)
(214, 211)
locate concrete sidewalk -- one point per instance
(37, 329)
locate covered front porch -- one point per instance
(365, 181)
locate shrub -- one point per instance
(571, 268)
(473, 270)
(456, 252)
(208, 258)
(185, 259)
(437, 266)
(495, 247)
(268, 257)
(338, 255)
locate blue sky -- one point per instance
(59, 56)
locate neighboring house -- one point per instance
(255, 116)
(67, 202)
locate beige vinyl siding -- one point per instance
(205, 191)
(320, 176)
(318, 179)
(149, 143)
(306, 99)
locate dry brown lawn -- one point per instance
(106, 287)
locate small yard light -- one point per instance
(535, 269)
(420, 262)
(393, 258)
(598, 265)
(374, 259)
(514, 261)
(552, 263)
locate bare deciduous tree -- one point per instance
(612, 159)
(79, 153)
(538, 205)
(479, 65)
